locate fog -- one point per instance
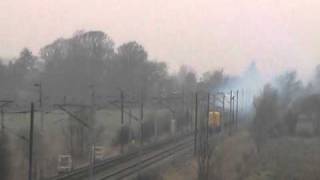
(199, 90)
(205, 34)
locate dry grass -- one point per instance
(235, 151)
(185, 171)
(236, 158)
(228, 158)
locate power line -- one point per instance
(73, 115)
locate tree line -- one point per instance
(282, 104)
(68, 67)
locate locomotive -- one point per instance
(214, 122)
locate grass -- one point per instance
(227, 160)
(55, 127)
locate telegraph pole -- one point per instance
(31, 141)
(196, 123)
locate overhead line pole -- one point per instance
(237, 109)
(233, 112)
(230, 114)
(90, 127)
(130, 135)
(223, 111)
(41, 155)
(39, 85)
(92, 135)
(141, 129)
(122, 117)
(207, 137)
(2, 119)
(196, 123)
(31, 142)
(230, 111)
(41, 107)
(122, 107)
(141, 118)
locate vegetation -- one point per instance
(88, 68)
(4, 157)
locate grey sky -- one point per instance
(205, 34)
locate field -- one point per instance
(57, 137)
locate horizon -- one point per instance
(206, 35)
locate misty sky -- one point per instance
(205, 34)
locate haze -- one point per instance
(204, 34)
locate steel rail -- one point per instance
(114, 161)
(149, 161)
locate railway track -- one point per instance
(128, 164)
(138, 165)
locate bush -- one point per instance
(4, 159)
(148, 130)
(266, 117)
(122, 136)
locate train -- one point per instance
(214, 122)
